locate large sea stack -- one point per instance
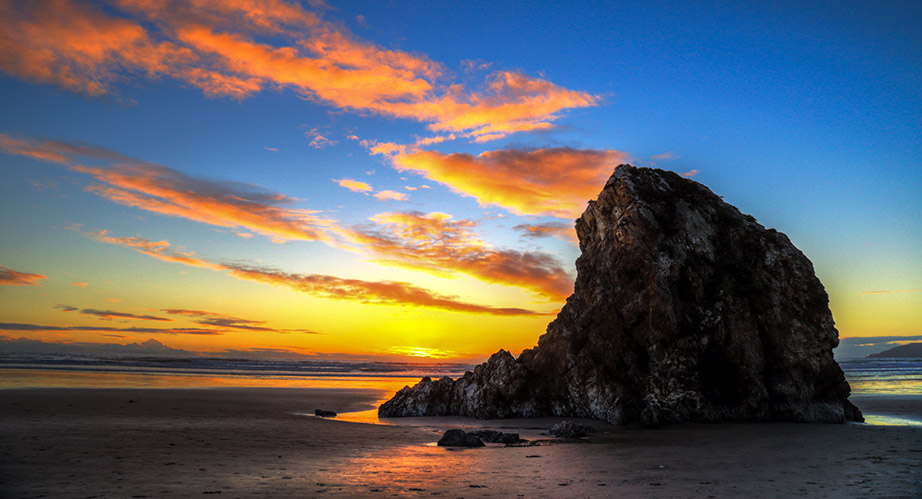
(684, 309)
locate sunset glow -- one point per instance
(281, 178)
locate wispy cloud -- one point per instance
(41, 328)
(436, 243)
(690, 173)
(320, 285)
(112, 314)
(87, 48)
(318, 141)
(218, 322)
(353, 185)
(229, 321)
(664, 156)
(889, 291)
(80, 284)
(166, 191)
(10, 277)
(555, 182)
(388, 195)
(561, 230)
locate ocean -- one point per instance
(867, 377)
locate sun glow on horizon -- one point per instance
(280, 178)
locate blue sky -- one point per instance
(807, 116)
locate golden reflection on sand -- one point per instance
(53, 378)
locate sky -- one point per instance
(399, 180)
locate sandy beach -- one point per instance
(246, 442)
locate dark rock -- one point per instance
(684, 309)
(458, 438)
(569, 429)
(324, 414)
(497, 437)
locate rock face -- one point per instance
(684, 309)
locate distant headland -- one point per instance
(908, 351)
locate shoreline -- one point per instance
(245, 442)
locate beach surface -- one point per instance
(261, 442)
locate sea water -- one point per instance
(75, 371)
(884, 377)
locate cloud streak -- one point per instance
(354, 185)
(41, 328)
(229, 321)
(554, 181)
(163, 190)
(10, 277)
(435, 243)
(889, 291)
(111, 314)
(319, 285)
(388, 195)
(561, 230)
(89, 49)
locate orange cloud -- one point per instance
(435, 243)
(10, 277)
(211, 45)
(353, 185)
(884, 292)
(690, 174)
(383, 148)
(555, 182)
(664, 156)
(77, 46)
(163, 190)
(323, 286)
(389, 195)
(80, 284)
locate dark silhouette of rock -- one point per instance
(684, 309)
(497, 437)
(569, 429)
(907, 351)
(324, 414)
(458, 438)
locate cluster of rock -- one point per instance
(460, 438)
(569, 429)
(684, 309)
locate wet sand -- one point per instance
(256, 442)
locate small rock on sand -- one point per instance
(458, 438)
(569, 429)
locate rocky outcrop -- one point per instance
(684, 309)
(458, 438)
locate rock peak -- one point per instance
(684, 309)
